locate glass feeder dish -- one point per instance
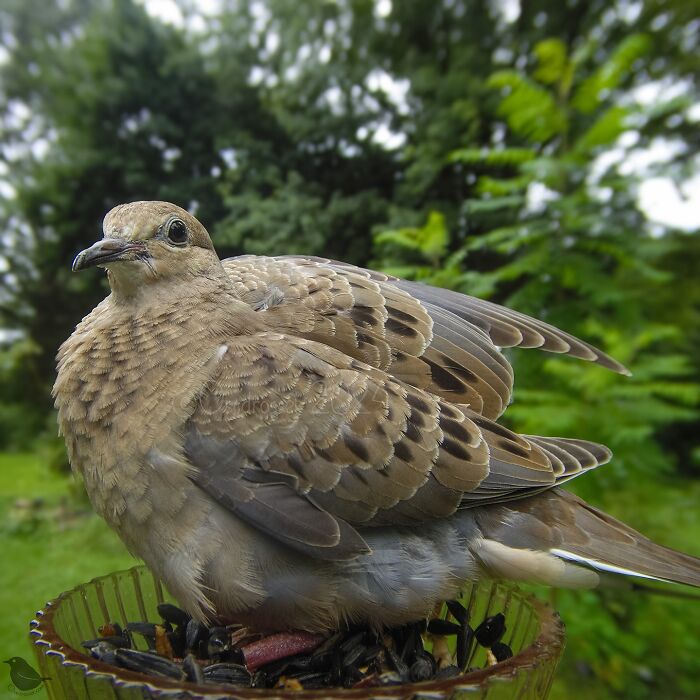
(534, 632)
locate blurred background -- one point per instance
(540, 153)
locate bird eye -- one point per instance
(177, 232)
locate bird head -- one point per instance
(13, 661)
(147, 242)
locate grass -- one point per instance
(45, 550)
(620, 644)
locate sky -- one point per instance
(662, 200)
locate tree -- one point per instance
(103, 105)
(559, 236)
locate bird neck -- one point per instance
(129, 373)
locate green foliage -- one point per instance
(430, 240)
(596, 88)
(41, 534)
(530, 110)
(467, 143)
(549, 234)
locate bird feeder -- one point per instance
(534, 633)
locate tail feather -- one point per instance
(617, 548)
(561, 525)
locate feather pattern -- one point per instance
(294, 442)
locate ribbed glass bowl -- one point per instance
(534, 632)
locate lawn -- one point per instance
(46, 549)
(49, 547)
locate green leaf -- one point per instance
(493, 157)
(497, 187)
(482, 206)
(553, 65)
(610, 75)
(431, 240)
(530, 109)
(605, 130)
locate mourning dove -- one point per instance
(294, 442)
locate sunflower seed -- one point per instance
(115, 641)
(458, 611)
(501, 651)
(464, 645)
(491, 630)
(192, 669)
(194, 633)
(422, 669)
(443, 627)
(227, 673)
(146, 662)
(173, 614)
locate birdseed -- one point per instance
(184, 649)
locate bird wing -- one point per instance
(434, 339)
(305, 443)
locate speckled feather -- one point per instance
(295, 441)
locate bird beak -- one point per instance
(109, 250)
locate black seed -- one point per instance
(300, 663)
(177, 641)
(490, 630)
(352, 641)
(227, 673)
(323, 652)
(447, 672)
(275, 669)
(145, 662)
(410, 646)
(146, 629)
(371, 653)
(312, 681)
(345, 659)
(194, 633)
(422, 669)
(458, 611)
(501, 651)
(193, 671)
(114, 641)
(352, 656)
(443, 627)
(173, 614)
(104, 652)
(259, 680)
(288, 665)
(464, 645)
(218, 643)
(398, 663)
